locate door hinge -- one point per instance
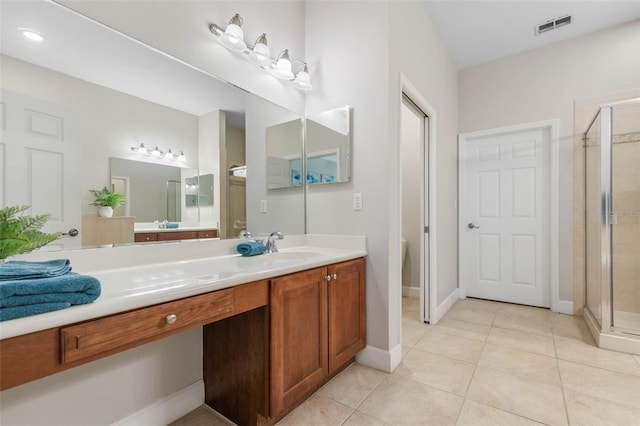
(426, 229)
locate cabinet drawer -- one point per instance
(183, 235)
(141, 237)
(91, 338)
(210, 233)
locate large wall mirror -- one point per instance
(89, 94)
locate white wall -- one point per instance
(543, 84)
(360, 64)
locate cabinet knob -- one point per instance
(148, 238)
(171, 318)
(328, 277)
(335, 276)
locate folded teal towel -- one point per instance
(24, 270)
(251, 248)
(171, 225)
(7, 314)
(20, 298)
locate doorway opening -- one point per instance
(415, 237)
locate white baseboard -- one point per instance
(380, 359)
(444, 307)
(565, 307)
(408, 291)
(167, 409)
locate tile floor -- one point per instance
(485, 363)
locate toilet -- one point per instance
(404, 249)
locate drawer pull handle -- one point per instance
(172, 318)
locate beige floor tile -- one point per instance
(588, 410)
(317, 410)
(412, 331)
(582, 353)
(488, 306)
(475, 414)
(353, 385)
(201, 416)
(439, 342)
(467, 330)
(398, 401)
(522, 341)
(573, 330)
(616, 387)
(410, 304)
(361, 419)
(470, 315)
(526, 365)
(434, 370)
(523, 324)
(637, 358)
(533, 400)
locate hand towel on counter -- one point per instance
(21, 298)
(24, 270)
(251, 248)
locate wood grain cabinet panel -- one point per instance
(347, 327)
(143, 237)
(299, 356)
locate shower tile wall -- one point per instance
(584, 111)
(626, 205)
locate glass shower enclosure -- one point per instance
(612, 232)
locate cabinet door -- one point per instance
(346, 312)
(299, 354)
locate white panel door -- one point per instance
(40, 163)
(506, 232)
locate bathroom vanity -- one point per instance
(288, 323)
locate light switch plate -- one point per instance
(357, 201)
(263, 206)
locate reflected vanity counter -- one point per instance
(149, 232)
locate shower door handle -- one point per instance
(471, 225)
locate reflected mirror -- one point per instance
(284, 152)
(89, 93)
(328, 146)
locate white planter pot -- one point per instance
(105, 211)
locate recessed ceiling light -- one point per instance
(31, 34)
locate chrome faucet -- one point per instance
(271, 241)
(245, 234)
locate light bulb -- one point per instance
(303, 81)
(261, 55)
(233, 37)
(169, 154)
(142, 149)
(156, 151)
(282, 69)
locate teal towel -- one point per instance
(171, 225)
(251, 248)
(24, 270)
(7, 314)
(20, 298)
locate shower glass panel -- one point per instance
(625, 233)
(593, 220)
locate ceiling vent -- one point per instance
(553, 24)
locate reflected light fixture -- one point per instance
(31, 34)
(260, 53)
(169, 154)
(157, 152)
(282, 68)
(233, 37)
(302, 80)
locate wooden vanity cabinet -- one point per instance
(299, 336)
(347, 327)
(142, 237)
(317, 327)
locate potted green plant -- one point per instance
(19, 233)
(106, 201)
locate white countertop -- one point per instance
(132, 287)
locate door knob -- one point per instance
(72, 232)
(472, 226)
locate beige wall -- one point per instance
(542, 84)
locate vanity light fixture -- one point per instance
(259, 54)
(157, 152)
(302, 80)
(31, 34)
(233, 37)
(282, 68)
